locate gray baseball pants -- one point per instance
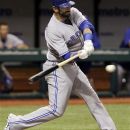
(61, 83)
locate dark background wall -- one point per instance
(19, 14)
(114, 18)
(111, 19)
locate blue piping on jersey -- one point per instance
(60, 55)
(67, 55)
(45, 114)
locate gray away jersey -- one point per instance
(11, 40)
(62, 38)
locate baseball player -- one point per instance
(8, 41)
(63, 36)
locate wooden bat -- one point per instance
(41, 74)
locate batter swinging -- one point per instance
(63, 35)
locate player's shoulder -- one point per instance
(11, 36)
(75, 13)
(53, 25)
(14, 38)
(74, 10)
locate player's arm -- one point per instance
(22, 46)
(88, 36)
(86, 28)
(56, 42)
(18, 43)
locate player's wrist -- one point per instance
(88, 46)
(88, 36)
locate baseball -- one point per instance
(110, 68)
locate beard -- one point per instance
(65, 14)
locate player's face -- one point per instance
(4, 30)
(64, 12)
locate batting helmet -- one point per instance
(62, 3)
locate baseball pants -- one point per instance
(61, 83)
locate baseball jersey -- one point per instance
(11, 40)
(126, 40)
(62, 38)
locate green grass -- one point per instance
(76, 117)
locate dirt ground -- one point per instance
(14, 102)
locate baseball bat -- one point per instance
(41, 74)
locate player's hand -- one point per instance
(83, 54)
(88, 47)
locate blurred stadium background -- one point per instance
(27, 19)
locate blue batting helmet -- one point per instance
(62, 3)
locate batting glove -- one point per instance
(83, 54)
(88, 47)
